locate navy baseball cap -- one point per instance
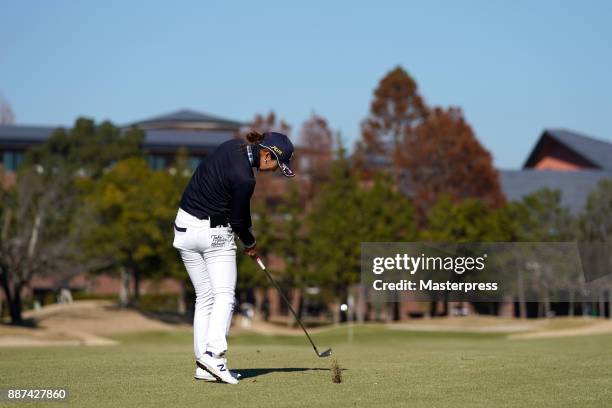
(282, 148)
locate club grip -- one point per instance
(260, 263)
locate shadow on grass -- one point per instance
(167, 317)
(256, 372)
(29, 323)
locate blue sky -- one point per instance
(514, 67)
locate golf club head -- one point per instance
(325, 353)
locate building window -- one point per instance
(11, 160)
(157, 162)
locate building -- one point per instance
(165, 134)
(197, 132)
(565, 160)
(562, 160)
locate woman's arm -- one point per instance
(240, 213)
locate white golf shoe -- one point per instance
(217, 366)
(201, 374)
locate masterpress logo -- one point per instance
(408, 264)
(414, 264)
(479, 272)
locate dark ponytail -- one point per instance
(254, 137)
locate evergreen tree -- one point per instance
(86, 149)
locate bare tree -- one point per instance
(396, 109)
(444, 157)
(40, 234)
(268, 123)
(315, 153)
(268, 184)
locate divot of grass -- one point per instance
(336, 372)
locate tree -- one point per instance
(133, 209)
(347, 213)
(268, 183)
(538, 217)
(87, 149)
(387, 214)
(6, 113)
(596, 230)
(596, 222)
(42, 233)
(293, 241)
(457, 222)
(317, 135)
(335, 232)
(545, 219)
(45, 226)
(465, 221)
(316, 150)
(250, 277)
(444, 157)
(395, 111)
(269, 123)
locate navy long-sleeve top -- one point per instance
(222, 185)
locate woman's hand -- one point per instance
(252, 252)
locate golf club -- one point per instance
(325, 353)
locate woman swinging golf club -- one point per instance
(214, 206)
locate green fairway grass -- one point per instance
(382, 368)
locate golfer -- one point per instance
(216, 205)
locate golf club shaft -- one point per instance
(263, 267)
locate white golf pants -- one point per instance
(209, 255)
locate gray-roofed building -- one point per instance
(565, 160)
(561, 159)
(197, 132)
(559, 149)
(575, 186)
(187, 118)
(19, 136)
